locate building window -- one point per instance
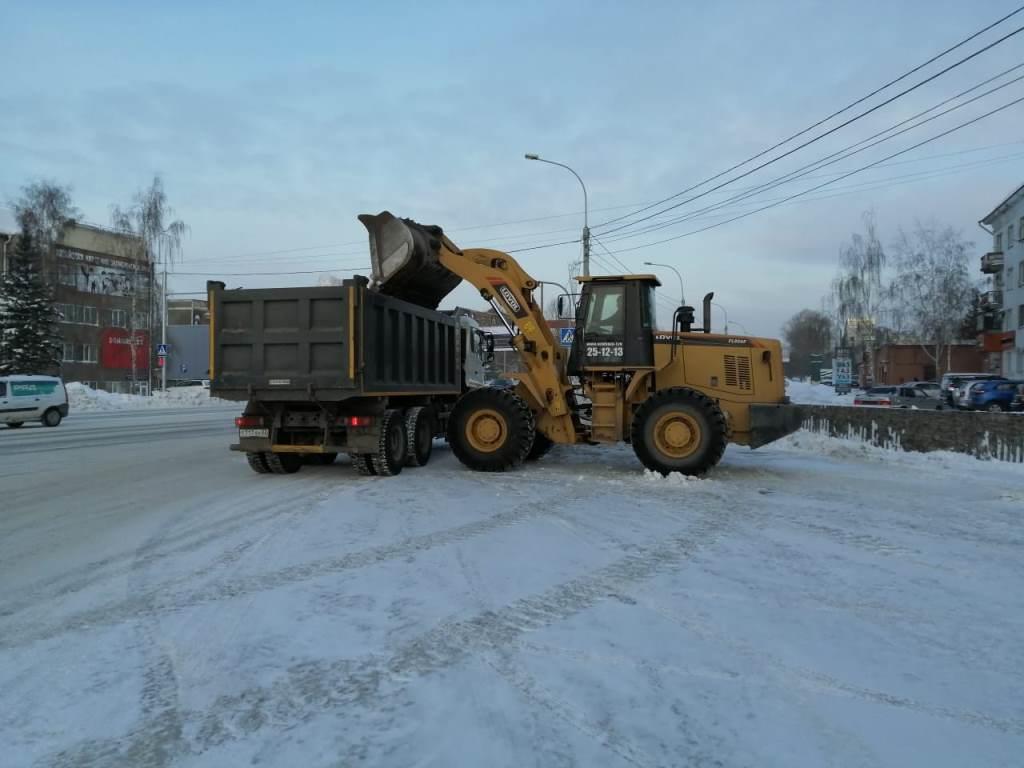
(79, 353)
(119, 318)
(141, 321)
(67, 274)
(78, 314)
(1020, 274)
(1020, 316)
(1009, 236)
(1020, 229)
(999, 241)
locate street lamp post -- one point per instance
(724, 312)
(586, 226)
(682, 298)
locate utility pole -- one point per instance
(163, 321)
(585, 239)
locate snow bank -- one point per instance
(82, 398)
(812, 393)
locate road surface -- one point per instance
(812, 603)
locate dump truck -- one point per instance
(340, 369)
(678, 396)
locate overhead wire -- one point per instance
(807, 143)
(947, 132)
(835, 157)
(838, 112)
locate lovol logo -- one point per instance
(510, 299)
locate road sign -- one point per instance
(161, 350)
(565, 336)
(842, 374)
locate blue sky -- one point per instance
(274, 124)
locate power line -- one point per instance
(835, 157)
(264, 274)
(807, 143)
(809, 128)
(827, 183)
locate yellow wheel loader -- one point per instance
(678, 396)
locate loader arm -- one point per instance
(403, 252)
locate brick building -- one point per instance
(102, 284)
(897, 363)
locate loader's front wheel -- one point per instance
(491, 430)
(679, 430)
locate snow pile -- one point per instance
(854, 449)
(82, 398)
(676, 479)
(812, 393)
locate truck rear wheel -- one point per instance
(419, 428)
(362, 463)
(258, 462)
(679, 430)
(393, 446)
(283, 463)
(491, 430)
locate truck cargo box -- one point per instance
(327, 344)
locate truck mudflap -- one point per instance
(769, 423)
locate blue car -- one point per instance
(994, 395)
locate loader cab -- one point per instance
(614, 323)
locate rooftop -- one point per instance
(1012, 198)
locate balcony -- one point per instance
(992, 299)
(992, 263)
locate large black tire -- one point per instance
(320, 459)
(258, 462)
(362, 463)
(284, 463)
(491, 430)
(541, 445)
(15, 424)
(393, 446)
(52, 418)
(419, 430)
(679, 430)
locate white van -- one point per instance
(32, 398)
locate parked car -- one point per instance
(910, 394)
(32, 398)
(994, 395)
(963, 392)
(951, 382)
(1018, 401)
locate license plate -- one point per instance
(264, 433)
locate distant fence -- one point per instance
(998, 436)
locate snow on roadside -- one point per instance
(812, 393)
(82, 398)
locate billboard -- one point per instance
(116, 345)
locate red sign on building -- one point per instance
(116, 345)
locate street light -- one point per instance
(724, 312)
(682, 298)
(586, 227)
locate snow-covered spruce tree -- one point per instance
(30, 340)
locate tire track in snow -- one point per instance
(89, 574)
(135, 606)
(310, 688)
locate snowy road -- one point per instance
(813, 603)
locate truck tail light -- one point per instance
(245, 422)
(358, 421)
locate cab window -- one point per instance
(648, 319)
(606, 311)
(3, 389)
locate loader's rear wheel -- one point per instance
(491, 430)
(541, 445)
(419, 428)
(679, 430)
(363, 464)
(393, 446)
(258, 462)
(284, 463)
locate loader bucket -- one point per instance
(404, 260)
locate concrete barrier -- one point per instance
(998, 436)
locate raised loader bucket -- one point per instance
(404, 260)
